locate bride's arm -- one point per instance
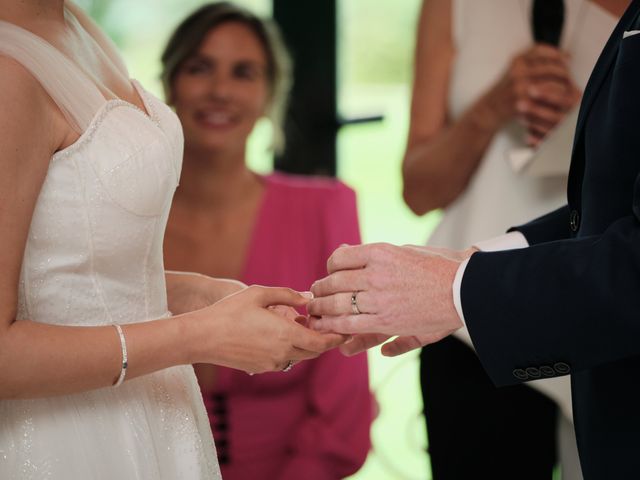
(29, 366)
(43, 360)
(187, 291)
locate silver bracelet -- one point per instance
(123, 345)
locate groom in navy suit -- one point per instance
(567, 303)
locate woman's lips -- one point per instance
(216, 119)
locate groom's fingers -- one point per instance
(363, 342)
(346, 324)
(342, 281)
(407, 343)
(342, 304)
(350, 257)
(400, 345)
(276, 296)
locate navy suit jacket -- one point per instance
(570, 303)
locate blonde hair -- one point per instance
(188, 36)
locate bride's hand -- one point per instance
(255, 330)
(187, 292)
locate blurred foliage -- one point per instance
(141, 29)
(377, 32)
(379, 37)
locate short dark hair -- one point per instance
(188, 36)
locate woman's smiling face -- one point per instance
(222, 89)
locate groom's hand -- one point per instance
(405, 291)
(397, 346)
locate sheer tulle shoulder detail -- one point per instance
(103, 41)
(76, 96)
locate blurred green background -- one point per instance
(375, 52)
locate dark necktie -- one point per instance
(547, 19)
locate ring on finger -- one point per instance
(289, 366)
(354, 303)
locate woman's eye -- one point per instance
(196, 68)
(246, 72)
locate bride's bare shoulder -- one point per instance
(27, 110)
(18, 85)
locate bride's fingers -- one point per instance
(303, 320)
(289, 313)
(300, 354)
(267, 296)
(313, 341)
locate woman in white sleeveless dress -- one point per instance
(88, 165)
(463, 127)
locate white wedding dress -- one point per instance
(94, 257)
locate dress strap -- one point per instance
(84, 23)
(78, 98)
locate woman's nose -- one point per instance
(220, 87)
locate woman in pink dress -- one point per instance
(223, 70)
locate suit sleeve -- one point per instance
(333, 440)
(552, 226)
(570, 302)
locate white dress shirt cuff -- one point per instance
(508, 241)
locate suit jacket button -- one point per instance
(561, 368)
(547, 371)
(520, 374)
(574, 220)
(533, 372)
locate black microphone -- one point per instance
(547, 19)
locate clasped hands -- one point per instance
(536, 89)
(255, 329)
(399, 291)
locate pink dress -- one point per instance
(312, 422)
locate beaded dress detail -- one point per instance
(94, 257)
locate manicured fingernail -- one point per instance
(534, 92)
(345, 245)
(308, 295)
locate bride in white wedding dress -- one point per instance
(88, 165)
